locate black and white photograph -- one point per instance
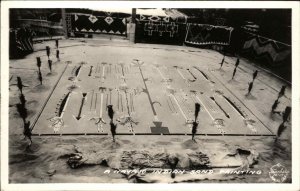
(149, 95)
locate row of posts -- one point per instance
(285, 114)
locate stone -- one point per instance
(253, 158)
(75, 161)
(184, 161)
(198, 160)
(132, 159)
(173, 160)
(51, 172)
(138, 159)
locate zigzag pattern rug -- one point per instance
(262, 48)
(202, 34)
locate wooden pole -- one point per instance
(131, 26)
(64, 22)
(133, 16)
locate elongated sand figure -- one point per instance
(57, 122)
(99, 120)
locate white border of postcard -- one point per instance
(294, 5)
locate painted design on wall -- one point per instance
(161, 28)
(167, 29)
(262, 47)
(172, 29)
(203, 34)
(155, 18)
(150, 27)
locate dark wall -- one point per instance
(43, 22)
(273, 23)
(53, 15)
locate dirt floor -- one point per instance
(82, 151)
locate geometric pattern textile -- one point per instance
(92, 18)
(154, 18)
(274, 51)
(99, 24)
(203, 34)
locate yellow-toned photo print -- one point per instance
(139, 95)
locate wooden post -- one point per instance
(64, 22)
(131, 27)
(133, 16)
